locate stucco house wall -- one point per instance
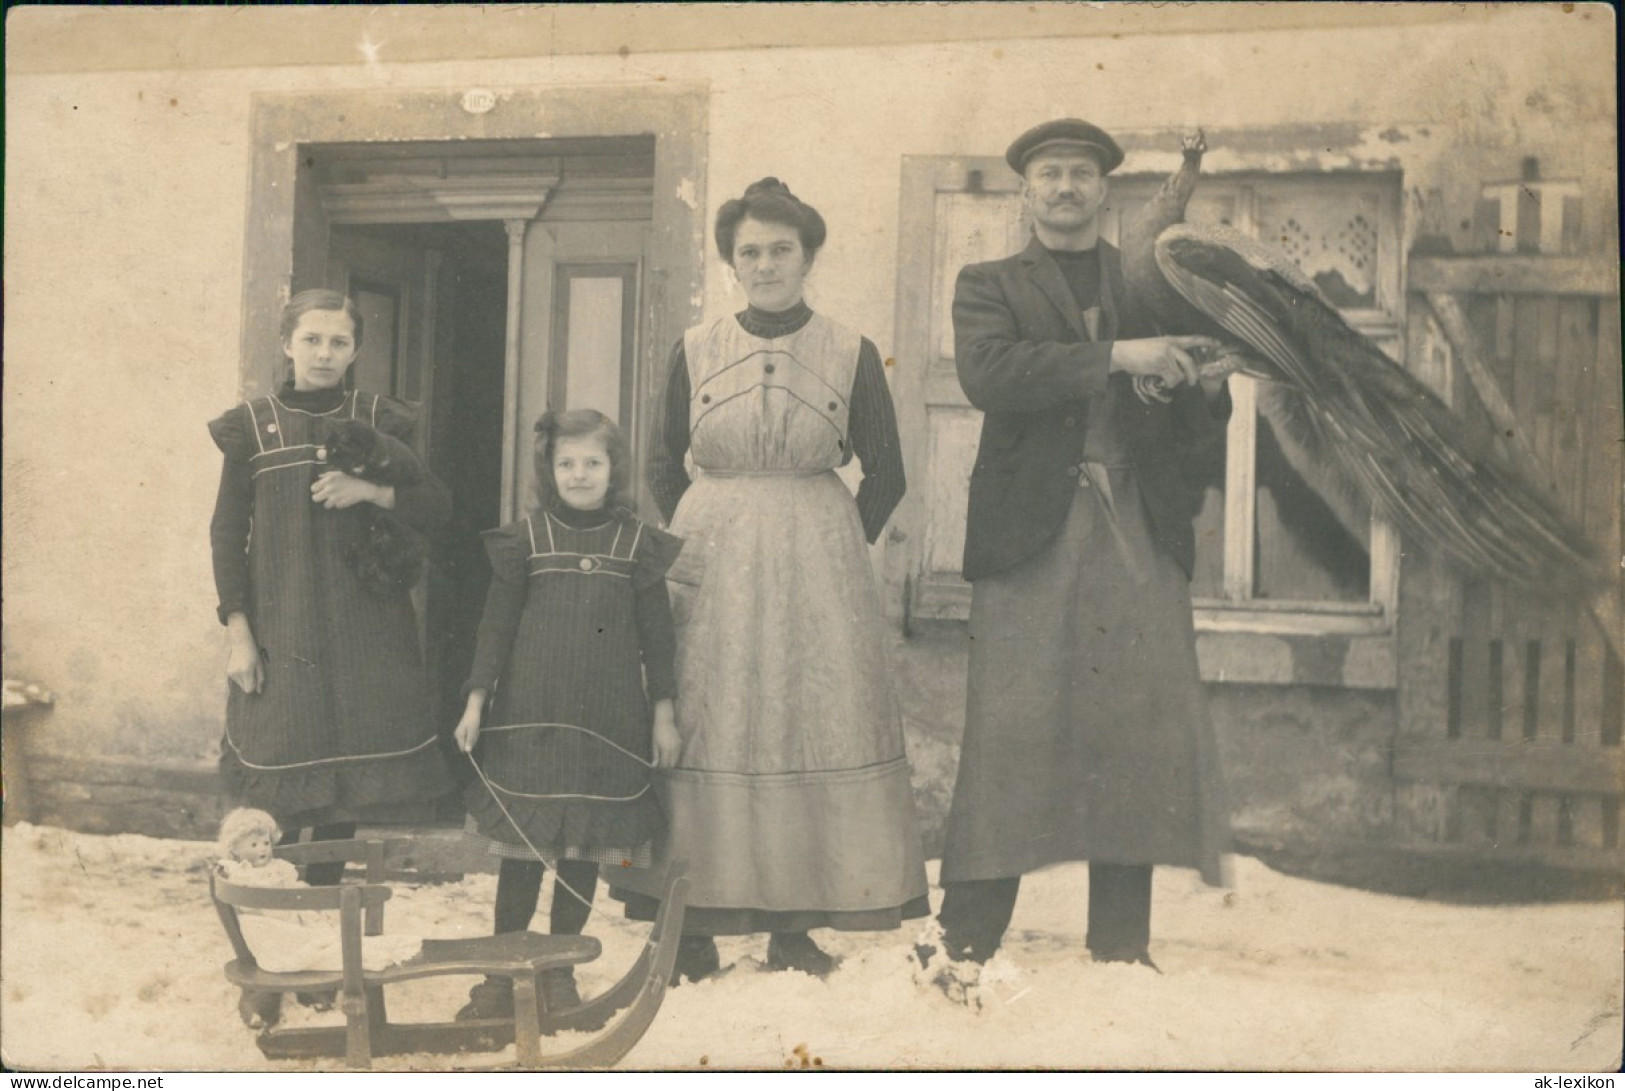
(125, 212)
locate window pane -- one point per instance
(1312, 539)
(1207, 579)
(374, 367)
(1332, 236)
(593, 354)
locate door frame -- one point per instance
(281, 124)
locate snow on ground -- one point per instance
(110, 956)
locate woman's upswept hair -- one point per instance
(553, 426)
(243, 821)
(318, 299)
(769, 201)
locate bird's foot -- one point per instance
(1193, 142)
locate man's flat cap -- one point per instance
(1067, 131)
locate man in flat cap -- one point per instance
(1087, 735)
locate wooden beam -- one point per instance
(1453, 319)
(1537, 765)
(1568, 857)
(1241, 490)
(510, 366)
(1495, 274)
(437, 200)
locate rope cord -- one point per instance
(547, 861)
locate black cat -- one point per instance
(385, 553)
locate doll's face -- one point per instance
(253, 848)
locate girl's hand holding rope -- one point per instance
(668, 744)
(467, 732)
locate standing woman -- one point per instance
(791, 800)
(327, 723)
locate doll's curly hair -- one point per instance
(243, 821)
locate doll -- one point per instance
(288, 942)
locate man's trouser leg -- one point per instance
(1119, 911)
(974, 915)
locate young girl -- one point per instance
(327, 721)
(575, 643)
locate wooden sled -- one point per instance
(518, 956)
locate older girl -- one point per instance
(327, 721)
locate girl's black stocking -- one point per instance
(569, 914)
(519, 886)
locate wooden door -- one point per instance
(583, 341)
(954, 211)
(394, 283)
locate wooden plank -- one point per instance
(1514, 634)
(1576, 349)
(1486, 228)
(1585, 821)
(1590, 677)
(1474, 698)
(1528, 219)
(1508, 413)
(1573, 857)
(1604, 472)
(1571, 241)
(1600, 447)
(1475, 814)
(1556, 687)
(1493, 638)
(1241, 490)
(1541, 400)
(1613, 701)
(1536, 765)
(909, 369)
(1511, 820)
(1505, 330)
(1544, 809)
(1454, 687)
(1594, 275)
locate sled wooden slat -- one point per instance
(519, 957)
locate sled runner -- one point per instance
(516, 956)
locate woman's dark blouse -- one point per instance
(425, 506)
(871, 425)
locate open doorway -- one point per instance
(497, 279)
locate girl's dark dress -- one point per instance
(340, 730)
(575, 642)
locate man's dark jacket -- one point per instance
(1026, 360)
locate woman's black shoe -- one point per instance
(697, 959)
(797, 951)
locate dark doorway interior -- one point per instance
(460, 433)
